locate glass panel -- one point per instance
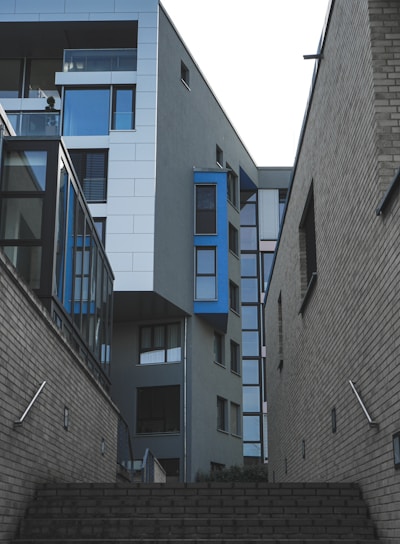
(27, 260)
(249, 290)
(61, 232)
(205, 209)
(235, 419)
(24, 171)
(206, 261)
(100, 60)
(250, 371)
(123, 115)
(248, 214)
(250, 317)
(252, 450)
(174, 342)
(248, 264)
(251, 399)
(206, 287)
(86, 112)
(248, 238)
(10, 78)
(21, 218)
(42, 77)
(235, 356)
(251, 428)
(250, 345)
(267, 259)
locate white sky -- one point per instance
(251, 53)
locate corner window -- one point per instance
(206, 273)
(206, 207)
(160, 344)
(222, 416)
(123, 108)
(158, 409)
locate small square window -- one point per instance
(185, 75)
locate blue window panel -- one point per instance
(250, 344)
(252, 450)
(250, 371)
(251, 428)
(86, 112)
(248, 238)
(248, 263)
(251, 399)
(250, 317)
(250, 290)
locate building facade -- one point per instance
(57, 420)
(164, 173)
(332, 311)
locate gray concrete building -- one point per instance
(333, 378)
(165, 175)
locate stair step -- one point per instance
(310, 540)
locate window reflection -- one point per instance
(86, 112)
(24, 171)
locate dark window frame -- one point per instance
(83, 171)
(158, 419)
(222, 414)
(233, 240)
(205, 215)
(235, 357)
(234, 298)
(114, 92)
(154, 347)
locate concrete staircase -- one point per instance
(214, 513)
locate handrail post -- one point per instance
(21, 419)
(370, 421)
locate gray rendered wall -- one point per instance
(32, 350)
(350, 328)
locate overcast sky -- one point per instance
(251, 54)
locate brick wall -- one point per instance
(32, 350)
(350, 326)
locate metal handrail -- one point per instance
(21, 419)
(370, 420)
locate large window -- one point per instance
(87, 110)
(206, 273)
(31, 78)
(158, 409)
(160, 344)
(206, 204)
(91, 167)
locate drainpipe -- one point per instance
(185, 402)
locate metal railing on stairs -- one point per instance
(21, 419)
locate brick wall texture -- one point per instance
(349, 329)
(32, 350)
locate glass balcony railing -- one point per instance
(38, 123)
(100, 60)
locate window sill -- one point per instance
(185, 84)
(220, 364)
(235, 372)
(223, 431)
(310, 289)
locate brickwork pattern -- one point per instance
(204, 512)
(350, 328)
(32, 350)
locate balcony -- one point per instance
(100, 60)
(38, 123)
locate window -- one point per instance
(234, 297)
(206, 204)
(185, 75)
(222, 416)
(250, 317)
(40, 77)
(248, 238)
(219, 156)
(91, 168)
(123, 108)
(249, 290)
(100, 224)
(233, 239)
(251, 428)
(267, 260)
(282, 203)
(235, 419)
(218, 349)
(86, 111)
(235, 357)
(251, 398)
(307, 239)
(251, 371)
(232, 187)
(248, 264)
(206, 273)
(10, 78)
(250, 344)
(158, 409)
(160, 344)
(396, 450)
